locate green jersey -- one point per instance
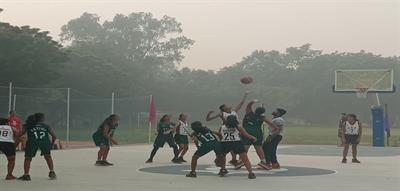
(205, 137)
(253, 123)
(38, 132)
(163, 127)
(111, 130)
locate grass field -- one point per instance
(292, 135)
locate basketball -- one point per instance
(246, 80)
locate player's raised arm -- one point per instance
(210, 116)
(249, 107)
(239, 106)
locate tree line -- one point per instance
(138, 54)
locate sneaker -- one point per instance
(265, 166)
(355, 161)
(106, 163)
(52, 175)
(149, 161)
(239, 165)
(176, 160)
(181, 159)
(344, 160)
(276, 166)
(191, 175)
(233, 162)
(100, 163)
(25, 178)
(10, 177)
(251, 176)
(222, 172)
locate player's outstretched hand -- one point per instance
(247, 92)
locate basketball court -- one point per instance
(303, 168)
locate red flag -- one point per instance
(152, 111)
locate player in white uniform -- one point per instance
(181, 136)
(231, 141)
(7, 146)
(226, 111)
(271, 143)
(351, 135)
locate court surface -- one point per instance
(303, 168)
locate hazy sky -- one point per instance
(227, 30)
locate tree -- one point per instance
(28, 56)
(137, 48)
(138, 37)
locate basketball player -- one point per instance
(7, 135)
(351, 135)
(38, 138)
(104, 137)
(270, 145)
(226, 111)
(231, 141)
(208, 143)
(252, 123)
(165, 131)
(181, 136)
(15, 122)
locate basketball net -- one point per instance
(362, 93)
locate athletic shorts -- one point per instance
(351, 139)
(32, 147)
(100, 140)
(236, 147)
(208, 147)
(181, 139)
(247, 141)
(161, 139)
(7, 148)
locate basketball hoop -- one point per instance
(362, 93)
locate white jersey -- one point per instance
(279, 122)
(351, 129)
(229, 134)
(183, 128)
(6, 134)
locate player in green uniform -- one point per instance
(38, 138)
(252, 123)
(103, 138)
(165, 131)
(208, 143)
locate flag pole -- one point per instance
(150, 120)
